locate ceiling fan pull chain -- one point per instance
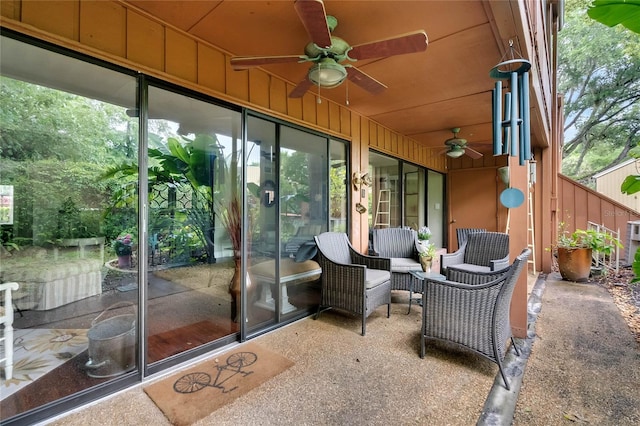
(319, 71)
(346, 86)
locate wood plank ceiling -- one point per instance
(428, 93)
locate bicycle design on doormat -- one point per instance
(193, 382)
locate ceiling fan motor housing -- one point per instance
(337, 50)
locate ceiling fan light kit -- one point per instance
(327, 73)
(455, 152)
(326, 52)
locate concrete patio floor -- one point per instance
(579, 360)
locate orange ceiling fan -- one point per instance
(327, 53)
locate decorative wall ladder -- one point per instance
(383, 209)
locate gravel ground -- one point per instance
(626, 296)
(584, 366)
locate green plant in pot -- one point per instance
(426, 256)
(575, 250)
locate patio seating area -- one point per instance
(389, 383)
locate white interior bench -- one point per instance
(291, 273)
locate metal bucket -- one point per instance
(112, 344)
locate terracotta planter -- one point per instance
(574, 263)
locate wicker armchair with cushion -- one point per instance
(474, 316)
(351, 281)
(483, 252)
(401, 246)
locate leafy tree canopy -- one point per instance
(40, 123)
(599, 74)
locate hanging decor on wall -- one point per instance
(359, 179)
(511, 130)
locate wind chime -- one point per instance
(511, 130)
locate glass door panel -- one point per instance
(262, 229)
(303, 214)
(62, 134)
(338, 201)
(435, 207)
(385, 209)
(194, 221)
(414, 196)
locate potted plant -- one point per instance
(123, 246)
(424, 234)
(426, 256)
(575, 249)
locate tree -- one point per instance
(190, 164)
(599, 72)
(38, 123)
(627, 13)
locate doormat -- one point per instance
(193, 394)
(127, 287)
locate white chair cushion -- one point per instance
(403, 265)
(375, 277)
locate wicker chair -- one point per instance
(463, 234)
(468, 277)
(483, 252)
(351, 281)
(401, 246)
(474, 316)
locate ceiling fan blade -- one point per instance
(473, 153)
(364, 80)
(301, 88)
(416, 41)
(314, 19)
(245, 62)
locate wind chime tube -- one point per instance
(507, 119)
(526, 116)
(514, 113)
(521, 151)
(497, 118)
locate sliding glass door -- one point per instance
(146, 224)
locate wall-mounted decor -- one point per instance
(359, 179)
